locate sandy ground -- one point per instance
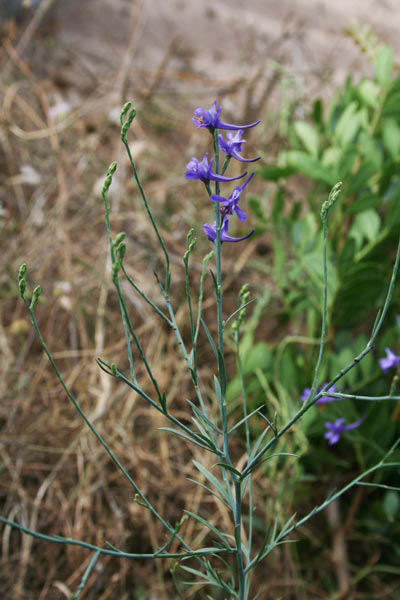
(222, 39)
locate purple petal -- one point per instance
(221, 125)
(355, 424)
(215, 198)
(210, 232)
(234, 154)
(215, 177)
(240, 214)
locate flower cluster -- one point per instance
(232, 146)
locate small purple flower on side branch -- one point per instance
(233, 145)
(323, 399)
(336, 429)
(202, 170)
(389, 361)
(210, 119)
(211, 232)
(230, 205)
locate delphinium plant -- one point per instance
(224, 566)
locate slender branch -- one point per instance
(118, 553)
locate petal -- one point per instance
(228, 238)
(240, 214)
(240, 158)
(221, 125)
(210, 232)
(215, 198)
(215, 177)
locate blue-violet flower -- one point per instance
(233, 145)
(211, 232)
(336, 429)
(210, 119)
(202, 170)
(323, 399)
(230, 205)
(389, 361)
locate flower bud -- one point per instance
(36, 293)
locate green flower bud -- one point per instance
(121, 249)
(119, 238)
(36, 293)
(125, 109)
(112, 168)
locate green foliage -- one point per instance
(356, 139)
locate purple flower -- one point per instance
(389, 361)
(323, 399)
(211, 232)
(233, 145)
(230, 205)
(202, 170)
(336, 429)
(210, 118)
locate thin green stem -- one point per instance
(117, 553)
(144, 296)
(238, 537)
(112, 254)
(150, 214)
(355, 481)
(236, 337)
(86, 575)
(324, 308)
(95, 432)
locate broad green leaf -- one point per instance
(259, 357)
(391, 137)
(369, 92)
(310, 167)
(308, 137)
(274, 172)
(365, 227)
(348, 125)
(360, 180)
(331, 156)
(384, 66)
(371, 150)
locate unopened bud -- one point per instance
(112, 168)
(119, 238)
(125, 109)
(121, 249)
(35, 296)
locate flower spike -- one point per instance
(210, 119)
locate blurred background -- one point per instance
(320, 77)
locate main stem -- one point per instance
(224, 416)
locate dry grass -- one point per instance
(56, 479)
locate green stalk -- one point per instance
(150, 214)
